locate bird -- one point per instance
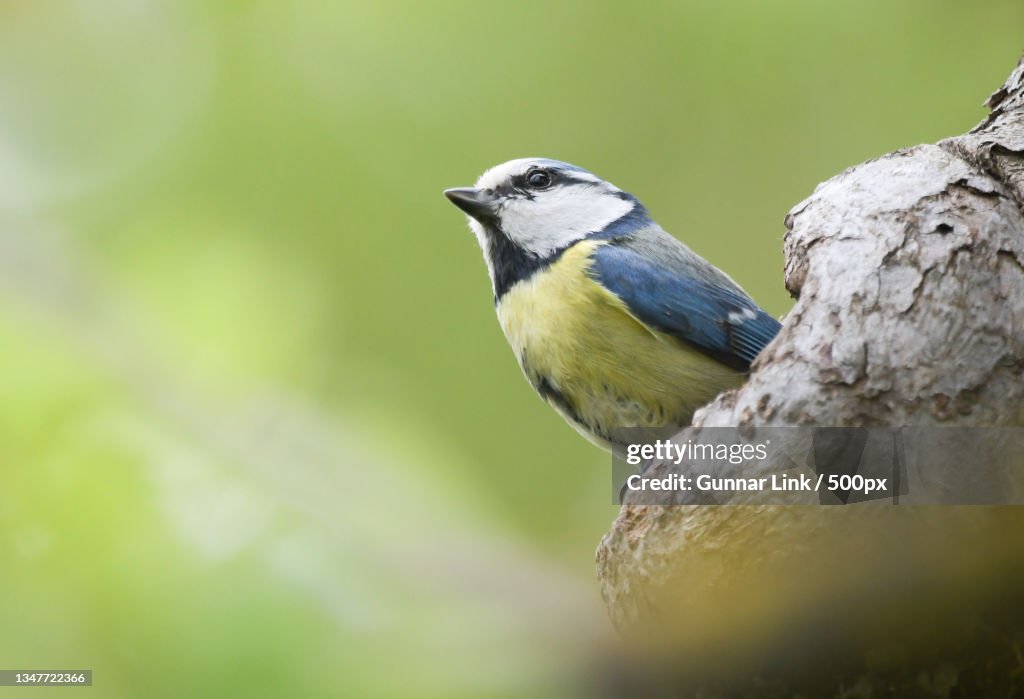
(617, 324)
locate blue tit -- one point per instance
(615, 323)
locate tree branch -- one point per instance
(908, 274)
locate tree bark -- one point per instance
(908, 275)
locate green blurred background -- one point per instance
(260, 433)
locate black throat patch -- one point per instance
(513, 264)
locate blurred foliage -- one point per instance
(260, 432)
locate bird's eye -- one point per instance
(538, 179)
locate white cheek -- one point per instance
(485, 245)
(554, 219)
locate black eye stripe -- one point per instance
(512, 189)
(539, 178)
(569, 179)
(518, 184)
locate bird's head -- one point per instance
(526, 211)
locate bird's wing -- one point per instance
(682, 295)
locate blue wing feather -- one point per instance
(717, 318)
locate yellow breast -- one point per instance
(594, 362)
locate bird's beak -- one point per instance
(478, 203)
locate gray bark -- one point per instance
(908, 275)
